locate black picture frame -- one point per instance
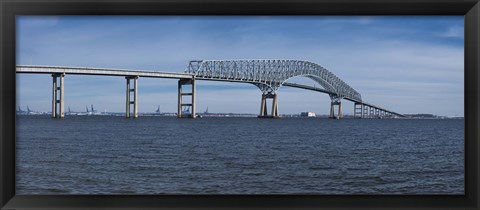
(9, 9)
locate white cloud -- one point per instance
(455, 32)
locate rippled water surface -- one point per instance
(158, 155)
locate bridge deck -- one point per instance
(306, 87)
(100, 71)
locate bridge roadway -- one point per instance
(366, 110)
(100, 72)
(306, 87)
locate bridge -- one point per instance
(267, 75)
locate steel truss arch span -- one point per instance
(271, 74)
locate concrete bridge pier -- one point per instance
(358, 110)
(58, 101)
(129, 101)
(263, 106)
(181, 94)
(365, 111)
(275, 106)
(389, 115)
(372, 112)
(335, 101)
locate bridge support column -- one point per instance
(263, 106)
(358, 110)
(372, 112)
(335, 101)
(129, 101)
(365, 111)
(181, 104)
(275, 106)
(340, 111)
(58, 101)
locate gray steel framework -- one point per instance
(269, 75)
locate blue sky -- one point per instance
(406, 64)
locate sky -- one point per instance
(408, 65)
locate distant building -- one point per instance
(307, 114)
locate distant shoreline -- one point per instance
(212, 115)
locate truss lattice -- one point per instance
(269, 75)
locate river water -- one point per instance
(165, 155)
